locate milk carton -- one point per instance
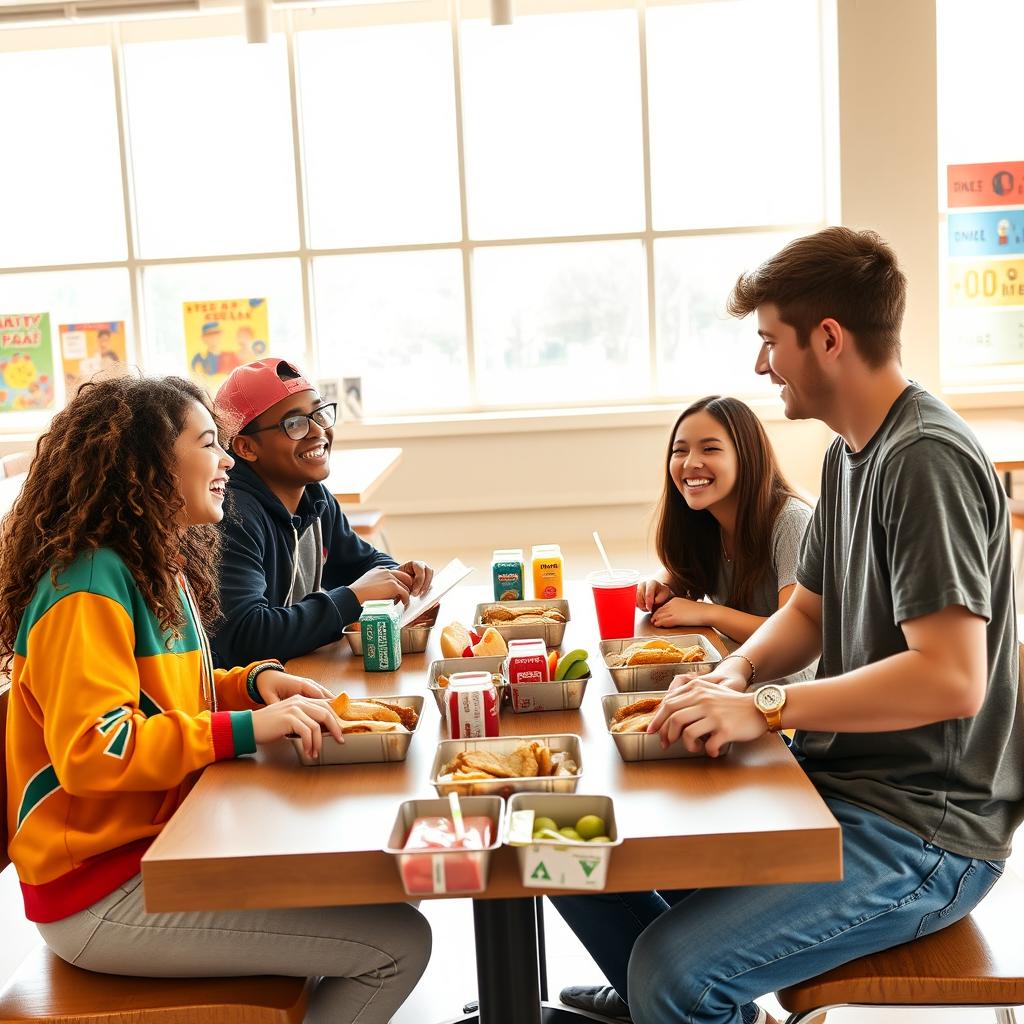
(382, 638)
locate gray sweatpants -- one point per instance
(368, 958)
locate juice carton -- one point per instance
(446, 872)
(547, 571)
(382, 638)
(527, 662)
(509, 574)
(472, 706)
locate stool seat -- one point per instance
(978, 961)
(365, 522)
(45, 988)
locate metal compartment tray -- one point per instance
(447, 749)
(414, 636)
(564, 695)
(640, 746)
(365, 747)
(490, 806)
(550, 632)
(657, 677)
(447, 666)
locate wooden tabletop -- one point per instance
(357, 472)
(266, 832)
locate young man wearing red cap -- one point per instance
(293, 572)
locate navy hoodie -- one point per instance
(260, 537)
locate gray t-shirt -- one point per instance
(913, 523)
(787, 534)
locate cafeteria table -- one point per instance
(267, 832)
(357, 472)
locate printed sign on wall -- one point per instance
(26, 362)
(221, 334)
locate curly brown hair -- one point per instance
(104, 477)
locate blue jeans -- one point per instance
(701, 956)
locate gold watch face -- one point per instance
(770, 698)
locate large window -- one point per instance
(466, 216)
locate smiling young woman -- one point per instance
(729, 526)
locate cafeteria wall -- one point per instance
(497, 481)
(505, 479)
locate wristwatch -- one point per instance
(770, 700)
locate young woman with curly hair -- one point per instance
(107, 575)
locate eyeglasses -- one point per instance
(297, 426)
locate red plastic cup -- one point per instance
(615, 602)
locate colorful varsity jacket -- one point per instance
(108, 724)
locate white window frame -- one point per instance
(298, 18)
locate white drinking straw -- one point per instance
(600, 548)
(460, 828)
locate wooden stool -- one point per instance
(978, 961)
(45, 988)
(369, 525)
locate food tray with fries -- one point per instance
(525, 620)
(414, 636)
(502, 765)
(652, 662)
(631, 713)
(385, 737)
(427, 872)
(448, 666)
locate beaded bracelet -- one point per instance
(753, 671)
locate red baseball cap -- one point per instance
(252, 389)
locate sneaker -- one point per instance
(600, 999)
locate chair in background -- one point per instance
(15, 463)
(45, 988)
(369, 525)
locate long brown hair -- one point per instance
(104, 477)
(689, 541)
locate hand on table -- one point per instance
(704, 715)
(275, 686)
(307, 717)
(383, 584)
(422, 576)
(680, 611)
(651, 593)
(728, 676)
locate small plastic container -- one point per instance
(472, 706)
(508, 574)
(438, 872)
(548, 572)
(548, 864)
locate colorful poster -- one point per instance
(26, 362)
(221, 334)
(986, 233)
(88, 349)
(987, 283)
(987, 338)
(999, 184)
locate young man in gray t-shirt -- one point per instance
(913, 729)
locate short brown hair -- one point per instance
(851, 276)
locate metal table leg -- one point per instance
(508, 968)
